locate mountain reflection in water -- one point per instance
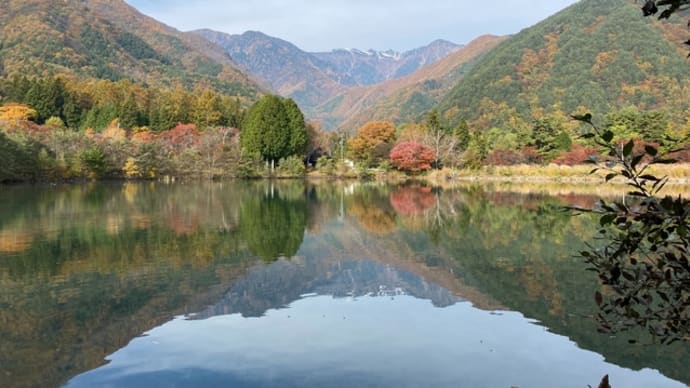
(283, 282)
(277, 284)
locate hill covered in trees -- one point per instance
(596, 56)
(109, 40)
(406, 99)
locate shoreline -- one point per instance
(547, 179)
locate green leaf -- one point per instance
(587, 118)
(650, 150)
(607, 219)
(650, 178)
(627, 150)
(628, 276)
(636, 160)
(607, 136)
(665, 161)
(611, 176)
(663, 296)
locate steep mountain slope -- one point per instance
(108, 39)
(405, 99)
(314, 78)
(596, 55)
(287, 69)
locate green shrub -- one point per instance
(94, 162)
(291, 167)
(326, 166)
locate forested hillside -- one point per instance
(406, 99)
(596, 56)
(109, 40)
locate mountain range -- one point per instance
(314, 78)
(405, 99)
(596, 55)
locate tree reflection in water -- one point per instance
(273, 221)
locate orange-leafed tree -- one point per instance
(412, 156)
(373, 142)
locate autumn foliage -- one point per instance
(412, 156)
(577, 155)
(372, 140)
(19, 112)
(181, 137)
(412, 200)
(526, 155)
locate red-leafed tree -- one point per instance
(180, 138)
(577, 155)
(412, 156)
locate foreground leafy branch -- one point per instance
(641, 253)
(667, 8)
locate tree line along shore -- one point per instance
(56, 129)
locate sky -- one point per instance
(323, 25)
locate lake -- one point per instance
(291, 284)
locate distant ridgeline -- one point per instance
(596, 56)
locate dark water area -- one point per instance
(291, 284)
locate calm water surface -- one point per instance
(297, 285)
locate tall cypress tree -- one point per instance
(298, 128)
(268, 129)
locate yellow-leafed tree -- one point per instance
(17, 112)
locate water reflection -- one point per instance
(282, 283)
(90, 268)
(273, 221)
(325, 342)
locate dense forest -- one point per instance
(54, 128)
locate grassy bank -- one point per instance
(677, 174)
